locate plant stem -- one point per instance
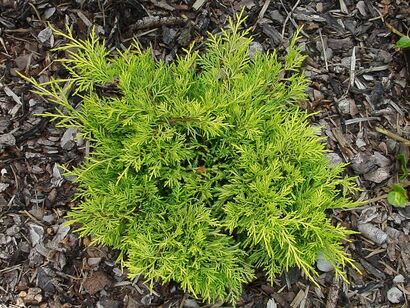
(393, 136)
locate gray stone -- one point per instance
(147, 299)
(184, 37)
(360, 143)
(67, 140)
(61, 233)
(323, 265)
(344, 105)
(13, 230)
(398, 279)
(255, 48)
(23, 61)
(334, 159)
(7, 140)
(361, 6)
(108, 303)
(45, 35)
(49, 218)
(395, 295)
(191, 303)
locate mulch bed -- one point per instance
(359, 90)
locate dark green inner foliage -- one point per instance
(203, 170)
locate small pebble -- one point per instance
(360, 143)
(334, 159)
(344, 106)
(67, 140)
(191, 303)
(318, 95)
(7, 140)
(147, 300)
(323, 265)
(13, 230)
(255, 48)
(45, 35)
(398, 279)
(395, 295)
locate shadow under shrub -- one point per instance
(201, 170)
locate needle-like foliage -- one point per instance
(201, 170)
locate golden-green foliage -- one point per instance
(201, 170)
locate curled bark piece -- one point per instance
(157, 21)
(373, 233)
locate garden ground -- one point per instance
(359, 92)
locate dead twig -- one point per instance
(393, 135)
(262, 12)
(288, 16)
(157, 21)
(352, 67)
(37, 13)
(359, 120)
(324, 50)
(379, 198)
(26, 213)
(333, 295)
(183, 301)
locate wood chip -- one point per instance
(343, 7)
(13, 95)
(198, 4)
(96, 282)
(84, 18)
(298, 299)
